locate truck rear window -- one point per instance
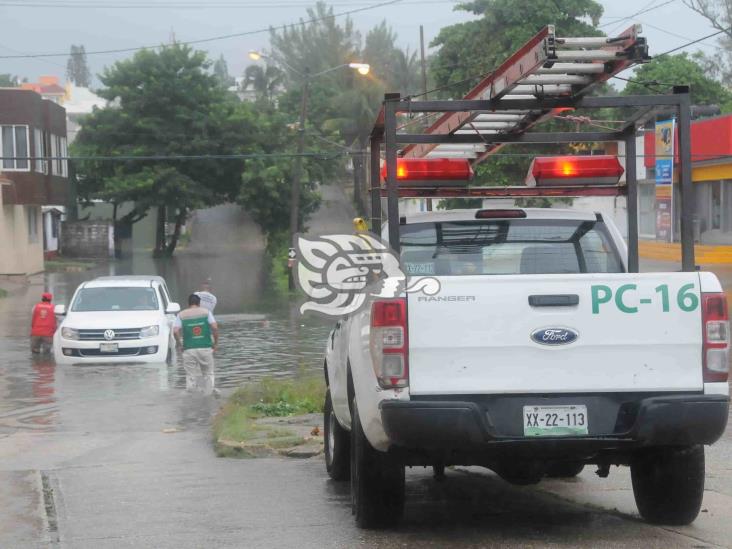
(514, 246)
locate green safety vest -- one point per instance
(196, 332)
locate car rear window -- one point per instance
(510, 246)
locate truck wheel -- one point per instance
(668, 484)
(337, 443)
(565, 469)
(377, 482)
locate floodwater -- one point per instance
(260, 334)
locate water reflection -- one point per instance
(268, 339)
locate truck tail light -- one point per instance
(389, 342)
(715, 322)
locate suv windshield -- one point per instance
(115, 299)
(516, 246)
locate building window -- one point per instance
(32, 223)
(59, 152)
(39, 141)
(14, 146)
(65, 154)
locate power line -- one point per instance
(212, 38)
(692, 42)
(647, 8)
(125, 158)
(197, 5)
(314, 155)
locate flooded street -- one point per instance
(114, 456)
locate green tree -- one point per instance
(8, 81)
(670, 70)
(266, 181)
(221, 72)
(77, 70)
(470, 49)
(343, 104)
(395, 69)
(265, 82)
(162, 103)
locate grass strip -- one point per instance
(236, 423)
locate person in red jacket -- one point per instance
(43, 324)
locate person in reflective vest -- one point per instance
(43, 325)
(197, 332)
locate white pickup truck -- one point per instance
(539, 355)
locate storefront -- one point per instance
(711, 146)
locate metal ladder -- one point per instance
(545, 67)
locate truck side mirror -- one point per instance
(173, 308)
(59, 310)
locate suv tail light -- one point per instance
(715, 321)
(389, 342)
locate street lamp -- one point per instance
(362, 69)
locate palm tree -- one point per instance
(265, 82)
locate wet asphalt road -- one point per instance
(120, 456)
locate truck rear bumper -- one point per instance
(496, 421)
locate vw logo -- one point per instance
(109, 335)
(554, 336)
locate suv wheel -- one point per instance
(337, 443)
(377, 482)
(565, 469)
(668, 484)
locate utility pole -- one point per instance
(424, 88)
(424, 63)
(297, 171)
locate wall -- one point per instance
(51, 242)
(143, 232)
(87, 239)
(18, 255)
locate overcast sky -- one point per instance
(26, 28)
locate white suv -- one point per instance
(117, 319)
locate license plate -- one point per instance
(108, 347)
(555, 421)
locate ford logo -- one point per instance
(554, 336)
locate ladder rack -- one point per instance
(546, 67)
(547, 76)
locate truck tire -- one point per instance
(668, 484)
(565, 469)
(337, 443)
(377, 482)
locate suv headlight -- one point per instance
(150, 331)
(69, 333)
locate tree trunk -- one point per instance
(160, 233)
(179, 220)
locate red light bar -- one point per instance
(427, 171)
(575, 170)
(500, 214)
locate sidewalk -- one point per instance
(705, 254)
